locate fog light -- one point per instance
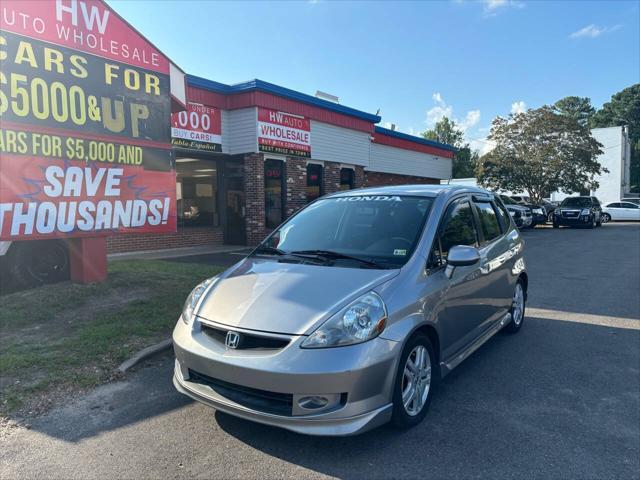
(306, 404)
(313, 403)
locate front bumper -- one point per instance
(581, 220)
(361, 376)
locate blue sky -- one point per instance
(415, 61)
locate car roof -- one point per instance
(413, 190)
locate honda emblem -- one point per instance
(232, 340)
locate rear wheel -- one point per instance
(606, 218)
(415, 382)
(518, 304)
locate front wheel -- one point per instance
(415, 382)
(518, 304)
(556, 225)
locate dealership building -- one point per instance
(249, 155)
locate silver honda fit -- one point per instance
(350, 312)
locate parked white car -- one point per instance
(621, 211)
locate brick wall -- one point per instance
(184, 237)
(379, 179)
(254, 197)
(296, 184)
(331, 177)
(359, 177)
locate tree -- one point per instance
(539, 152)
(464, 160)
(578, 108)
(464, 163)
(624, 109)
(445, 131)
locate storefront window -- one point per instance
(314, 181)
(347, 178)
(274, 192)
(197, 192)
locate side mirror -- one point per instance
(461, 256)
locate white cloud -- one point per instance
(482, 145)
(593, 31)
(491, 7)
(472, 119)
(518, 107)
(441, 109)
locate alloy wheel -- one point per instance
(416, 380)
(517, 306)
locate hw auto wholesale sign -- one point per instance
(197, 128)
(85, 144)
(283, 133)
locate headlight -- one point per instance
(512, 213)
(585, 211)
(361, 320)
(192, 300)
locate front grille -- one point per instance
(570, 214)
(247, 341)
(260, 400)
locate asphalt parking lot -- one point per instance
(561, 399)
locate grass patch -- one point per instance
(66, 337)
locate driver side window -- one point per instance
(457, 228)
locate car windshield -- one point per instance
(382, 230)
(576, 202)
(507, 200)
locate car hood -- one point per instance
(288, 298)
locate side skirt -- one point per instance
(447, 366)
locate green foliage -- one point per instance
(624, 109)
(577, 108)
(447, 131)
(540, 151)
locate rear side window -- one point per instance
(614, 205)
(503, 215)
(457, 228)
(488, 220)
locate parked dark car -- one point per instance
(578, 212)
(540, 211)
(522, 216)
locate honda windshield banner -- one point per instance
(283, 133)
(197, 128)
(85, 110)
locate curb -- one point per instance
(143, 354)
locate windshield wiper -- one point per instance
(333, 255)
(268, 250)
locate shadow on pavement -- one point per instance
(559, 399)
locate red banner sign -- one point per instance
(283, 133)
(197, 128)
(85, 145)
(40, 198)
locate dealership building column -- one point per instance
(254, 197)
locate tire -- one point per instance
(550, 217)
(606, 218)
(407, 417)
(519, 297)
(555, 225)
(35, 263)
(593, 223)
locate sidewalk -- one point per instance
(175, 252)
